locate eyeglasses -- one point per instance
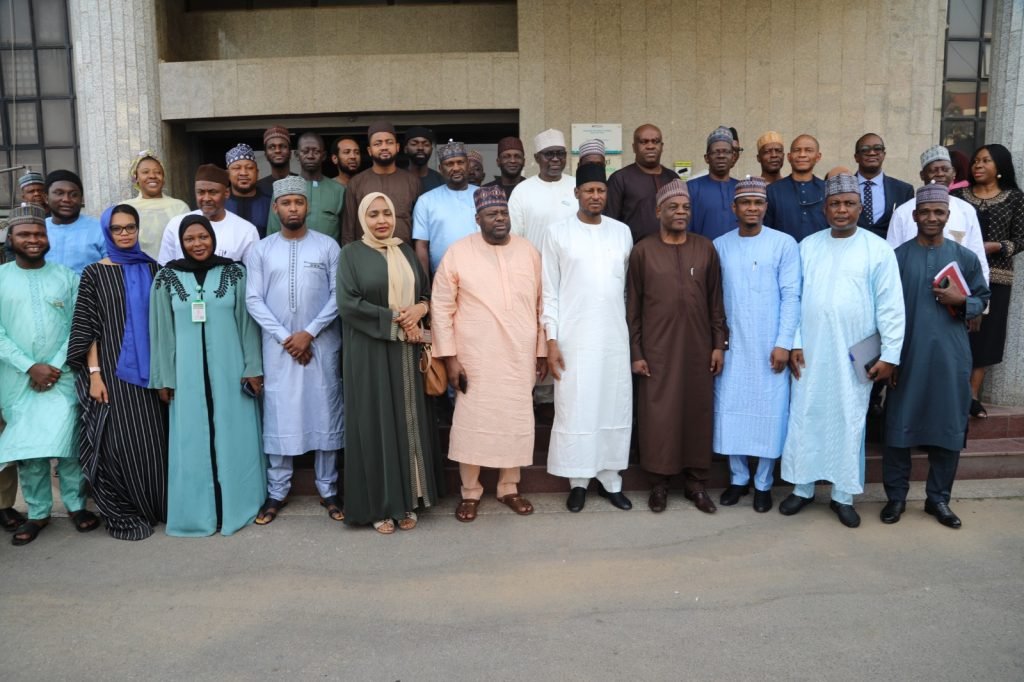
(550, 154)
(877, 148)
(124, 229)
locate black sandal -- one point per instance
(29, 528)
(11, 518)
(977, 409)
(333, 508)
(269, 511)
(85, 521)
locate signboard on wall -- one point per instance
(683, 169)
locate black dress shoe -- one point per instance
(762, 500)
(943, 513)
(658, 500)
(701, 500)
(617, 499)
(892, 511)
(848, 516)
(794, 503)
(577, 498)
(732, 495)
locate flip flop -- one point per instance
(977, 409)
(11, 518)
(85, 521)
(466, 511)
(29, 528)
(333, 508)
(269, 511)
(517, 503)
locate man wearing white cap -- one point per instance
(962, 226)
(850, 334)
(546, 198)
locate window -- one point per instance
(965, 88)
(37, 93)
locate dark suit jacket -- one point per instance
(897, 192)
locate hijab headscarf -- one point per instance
(401, 280)
(187, 263)
(133, 361)
(133, 171)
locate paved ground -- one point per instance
(595, 596)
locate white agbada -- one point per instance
(535, 205)
(963, 219)
(584, 273)
(290, 287)
(851, 289)
(235, 236)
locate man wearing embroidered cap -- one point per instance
(584, 260)
(290, 292)
(711, 195)
(419, 145)
(76, 240)
(245, 200)
(962, 226)
(475, 168)
(930, 394)
(592, 151)
(485, 319)
(326, 198)
(678, 337)
(761, 281)
(771, 155)
(277, 147)
(33, 189)
(548, 197)
(235, 236)
(851, 294)
(447, 213)
(511, 157)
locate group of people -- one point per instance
(178, 361)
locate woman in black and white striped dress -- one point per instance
(123, 434)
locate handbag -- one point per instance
(435, 376)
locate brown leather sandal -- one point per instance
(466, 511)
(517, 503)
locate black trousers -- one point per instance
(942, 466)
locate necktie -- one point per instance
(869, 209)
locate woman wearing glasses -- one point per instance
(123, 435)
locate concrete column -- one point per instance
(115, 66)
(1004, 384)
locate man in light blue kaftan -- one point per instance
(290, 292)
(37, 387)
(851, 291)
(761, 282)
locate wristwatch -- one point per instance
(94, 370)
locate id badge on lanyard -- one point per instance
(199, 308)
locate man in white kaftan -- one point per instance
(851, 291)
(547, 198)
(290, 292)
(584, 261)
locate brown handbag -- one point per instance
(435, 376)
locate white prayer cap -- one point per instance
(936, 153)
(291, 184)
(548, 139)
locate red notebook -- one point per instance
(951, 276)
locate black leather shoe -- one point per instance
(701, 500)
(577, 499)
(892, 511)
(848, 516)
(762, 500)
(617, 499)
(658, 500)
(732, 495)
(943, 513)
(793, 504)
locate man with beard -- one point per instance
(852, 297)
(235, 236)
(290, 292)
(584, 261)
(75, 240)
(277, 147)
(486, 303)
(631, 190)
(446, 214)
(419, 145)
(37, 387)
(246, 201)
(475, 171)
(511, 158)
(346, 158)
(401, 186)
(33, 189)
(711, 195)
(795, 202)
(771, 155)
(326, 199)
(678, 338)
(548, 197)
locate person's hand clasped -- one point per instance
(409, 318)
(300, 346)
(42, 377)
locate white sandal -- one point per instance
(385, 527)
(409, 522)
